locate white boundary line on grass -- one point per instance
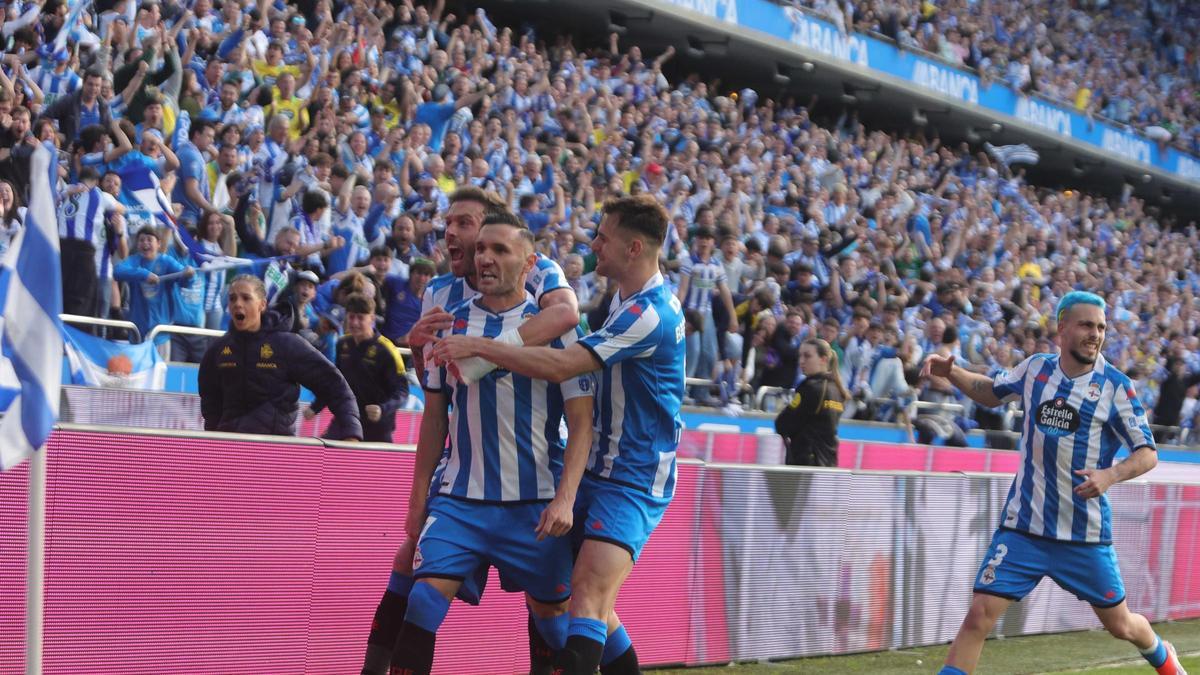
(1121, 664)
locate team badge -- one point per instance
(371, 351)
(265, 352)
(1093, 392)
(400, 296)
(417, 558)
(226, 351)
(988, 576)
(585, 384)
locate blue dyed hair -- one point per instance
(1078, 298)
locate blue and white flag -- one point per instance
(1013, 154)
(145, 187)
(96, 362)
(72, 28)
(31, 300)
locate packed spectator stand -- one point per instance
(1128, 61)
(315, 143)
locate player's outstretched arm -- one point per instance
(1098, 481)
(543, 363)
(558, 517)
(559, 314)
(431, 440)
(978, 388)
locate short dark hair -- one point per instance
(380, 251)
(491, 202)
(90, 135)
(511, 219)
(641, 214)
(359, 303)
(197, 127)
(149, 229)
(313, 200)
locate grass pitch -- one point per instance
(1082, 652)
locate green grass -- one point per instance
(1084, 652)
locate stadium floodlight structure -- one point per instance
(1082, 166)
(618, 22)
(698, 48)
(784, 73)
(920, 116)
(853, 93)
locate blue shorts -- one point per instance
(615, 513)
(1015, 563)
(462, 538)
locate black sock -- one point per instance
(541, 656)
(625, 664)
(580, 657)
(385, 628)
(413, 654)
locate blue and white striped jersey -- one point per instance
(505, 443)
(55, 84)
(1070, 424)
(639, 392)
(704, 276)
(81, 216)
(447, 290)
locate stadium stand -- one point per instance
(891, 242)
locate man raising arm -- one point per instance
(1079, 411)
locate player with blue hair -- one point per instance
(1056, 521)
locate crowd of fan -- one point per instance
(1131, 61)
(333, 132)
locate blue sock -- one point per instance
(426, 607)
(400, 584)
(591, 629)
(1156, 655)
(951, 670)
(617, 644)
(554, 630)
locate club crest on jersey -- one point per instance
(265, 352)
(1057, 418)
(417, 558)
(1093, 392)
(460, 324)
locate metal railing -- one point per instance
(183, 330)
(103, 323)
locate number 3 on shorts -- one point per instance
(989, 573)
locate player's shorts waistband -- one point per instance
(1055, 539)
